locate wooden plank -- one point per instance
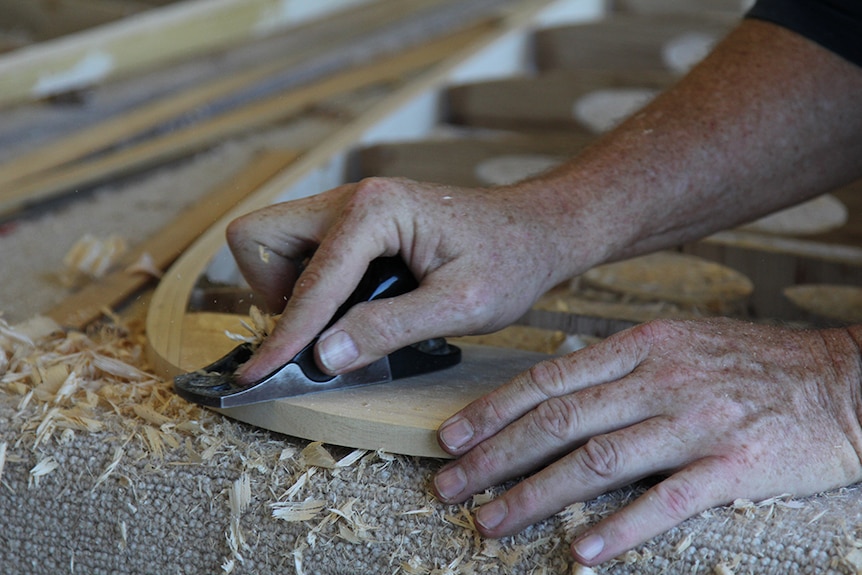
(398, 417)
(545, 102)
(88, 141)
(629, 43)
(460, 161)
(46, 19)
(195, 138)
(728, 7)
(156, 36)
(86, 305)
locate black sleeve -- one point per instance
(834, 24)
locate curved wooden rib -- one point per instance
(392, 417)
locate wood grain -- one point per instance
(398, 417)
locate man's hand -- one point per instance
(725, 409)
(481, 256)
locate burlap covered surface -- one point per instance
(112, 473)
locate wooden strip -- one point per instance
(284, 59)
(625, 42)
(156, 36)
(45, 19)
(171, 297)
(545, 102)
(459, 162)
(86, 305)
(116, 129)
(196, 138)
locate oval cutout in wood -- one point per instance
(511, 168)
(601, 110)
(820, 215)
(683, 51)
(835, 302)
(676, 278)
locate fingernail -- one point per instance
(336, 351)
(589, 547)
(449, 483)
(456, 433)
(492, 514)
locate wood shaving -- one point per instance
(574, 517)
(683, 544)
(239, 495)
(315, 455)
(263, 253)
(91, 258)
(297, 510)
(119, 452)
(145, 265)
(2, 458)
(853, 561)
(41, 469)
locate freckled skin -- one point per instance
(723, 409)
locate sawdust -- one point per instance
(71, 385)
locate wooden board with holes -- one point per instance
(630, 42)
(545, 102)
(775, 262)
(399, 417)
(464, 161)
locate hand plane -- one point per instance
(216, 385)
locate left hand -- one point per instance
(725, 409)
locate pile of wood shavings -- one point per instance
(69, 384)
(68, 381)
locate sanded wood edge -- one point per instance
(300, 421)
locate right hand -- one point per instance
(481, 257)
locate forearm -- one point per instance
(769, 119)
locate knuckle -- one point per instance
(487, 414)
(602, 457)
(677, 498)
(370, 193)
(527, 496)
(379, 329)
(483, 460)
(558, 417)
(549, 378)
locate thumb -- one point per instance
(374, 329)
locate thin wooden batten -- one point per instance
(156, 36)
